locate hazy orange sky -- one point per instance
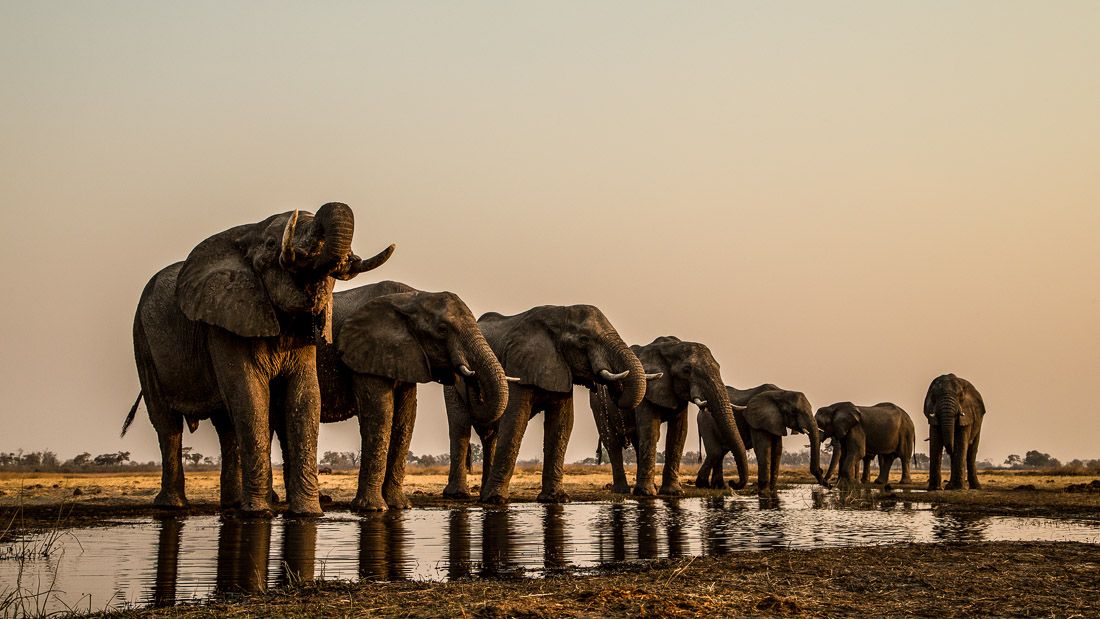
(844, 199)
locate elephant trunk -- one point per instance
(721, 411)
(336, 225)
(947, 412)
(814, 433)
(614, 355)
(491, 379)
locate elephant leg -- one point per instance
(510, 431)
(717, 475)
(169, 426)
(458, 430)
(375, 402)
(278, 427)
(674, 450)
(763, 448)
(702, 478)
(248, 397)
(935, 455)
(619, 483)
(558, 427)
(958, 460)
(649, 430)
(302, 420)
(971, 458)
(404, 417)
(866, 478)
(834, 460)
(488, 450)
(906, 461)
(230, 488)
(777, 459)
(885, 463)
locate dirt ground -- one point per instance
(41, 499)
(973, 580)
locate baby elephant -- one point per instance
(863, 432)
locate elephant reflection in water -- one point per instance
(612, 532)
(721, 521)
(497, 537)
(458, 544)
(168, 559)
(960, 527)
(553, 537)
(244, 547)
(383, 543)
(650, 522)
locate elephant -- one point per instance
(955, 411)
(549, 348)
(389, 337)
(230, 334)
(683, 372)
(863, 432)
(762, 422)
(710, 472)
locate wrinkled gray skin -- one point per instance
(762, 423)
(863, 432)
(711, 473)
(388, 338)
(687, 373)
(549, 349)
(230, 334)
(955, 411)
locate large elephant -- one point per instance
(389, 337)
(863, 432)
(762, 423)
(954, 410)
(549, 348)
(686, 372)
(230, 334)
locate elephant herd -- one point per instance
(248, 333)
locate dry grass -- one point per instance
(979, 580)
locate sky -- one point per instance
(846, 199)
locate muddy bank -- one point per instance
(976, 580)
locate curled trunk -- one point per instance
(619, 358)
(336, 226)
(491, 380)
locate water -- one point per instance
(164, 561)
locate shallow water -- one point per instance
(164, 561)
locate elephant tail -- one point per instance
(130, 417)
(469, 458)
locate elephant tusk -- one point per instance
(358, 265)
(654, 376)
(511, 379)
(608, 376)
(738, 407)
(701, 403)
(287, 248)
(467, 372)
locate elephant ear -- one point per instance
(376, 339)
(529, 353)
(846, 418)
(218, 286)
(763, 414)
(970, 403)
(929, 412)
(659, 390)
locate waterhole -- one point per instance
(164, 561)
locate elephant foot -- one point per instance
(623, 488)
(722, 485)
(974, 485)
(702, 483)
(672, 490)
(648, 490)
(906, 480)
(933, 486)
(395, 498)
(273, 498)
(554, 496)
(494, 499)
(456, 493)
(953, 486)
(764, 492)
(170, 500)
(373, 503)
